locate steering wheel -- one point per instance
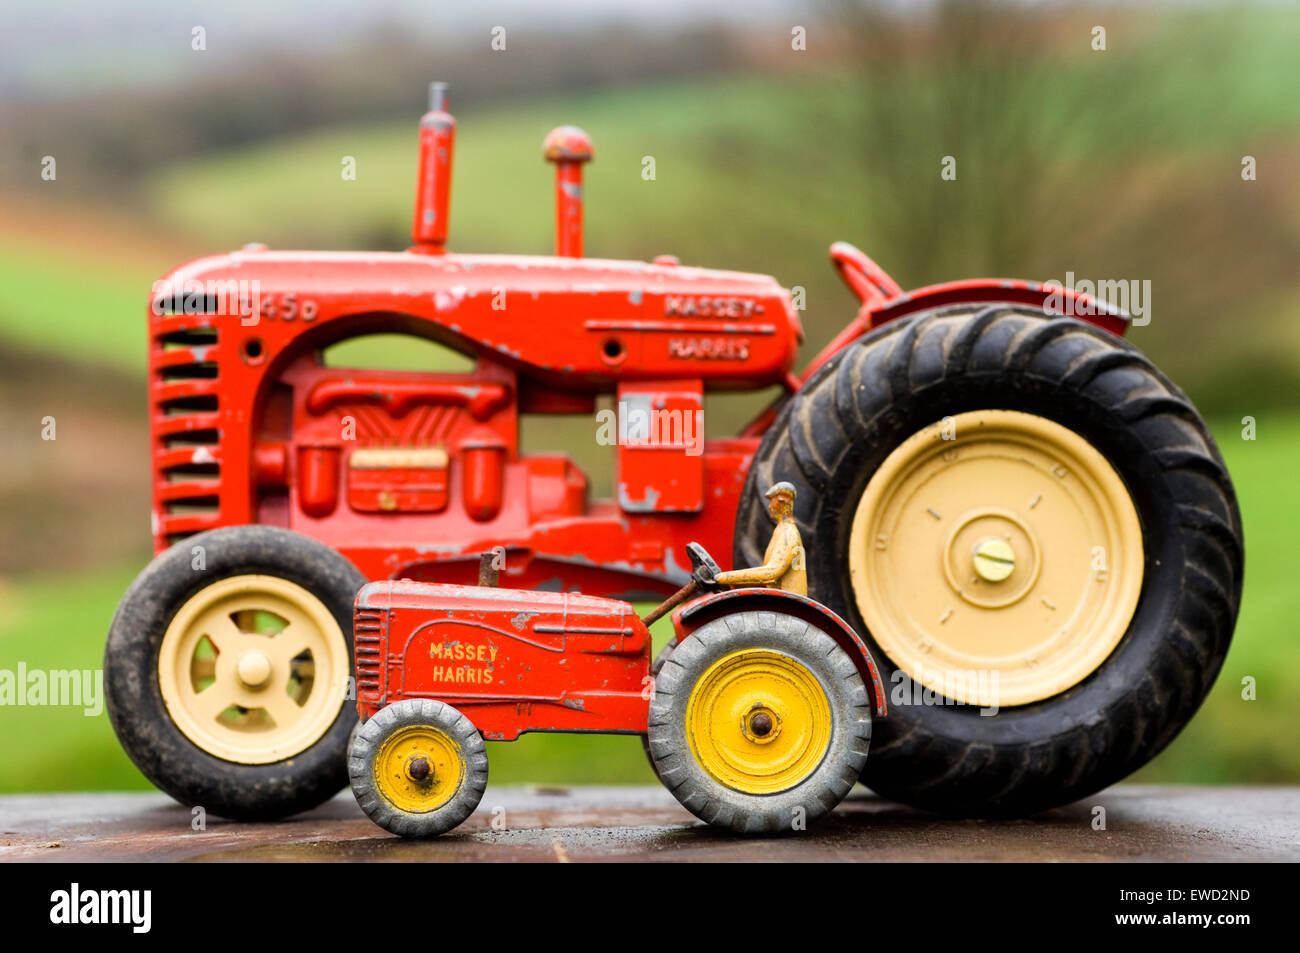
(704, 569)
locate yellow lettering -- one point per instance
(480, 657)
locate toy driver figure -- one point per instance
(783, 563)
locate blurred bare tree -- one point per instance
(1074, 158)
(962, 87)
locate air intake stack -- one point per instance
(433, 186)
(569, 148)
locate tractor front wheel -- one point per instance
(656, 667)
(418, 768)
(1036, 534)
(227, 668)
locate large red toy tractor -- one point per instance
(1027, 522)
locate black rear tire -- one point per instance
(838, 429)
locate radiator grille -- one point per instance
(185, 403)
(368, 643)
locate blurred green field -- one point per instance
(60, 623)
(81, 310)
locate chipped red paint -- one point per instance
(707, 608)
(248, 425)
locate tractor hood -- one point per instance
(590, 318)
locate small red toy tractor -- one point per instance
(758, 720)
(1028, 524)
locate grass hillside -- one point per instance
(88, 312)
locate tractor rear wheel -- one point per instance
(227, 668)
(759, 723)
(1036, 533)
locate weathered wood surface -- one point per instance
(1143, 823)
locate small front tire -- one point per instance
(418, 768)
(656, 667)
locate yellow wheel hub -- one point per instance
(418, 769)
(998, 566)
(253, 669)
(758, 721)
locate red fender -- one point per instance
(707, 608)
(883, 301)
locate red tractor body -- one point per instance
(443, 668)
(512, 660)
(413, 474)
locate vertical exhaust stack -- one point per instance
(568, 147)
(433, 185)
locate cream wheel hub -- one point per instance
(253, 669)
(996, 558)
(991, 557)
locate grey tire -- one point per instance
(817, 793)
(352, 738)
(656, 667)
(418, 712)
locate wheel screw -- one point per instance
(994, 559)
